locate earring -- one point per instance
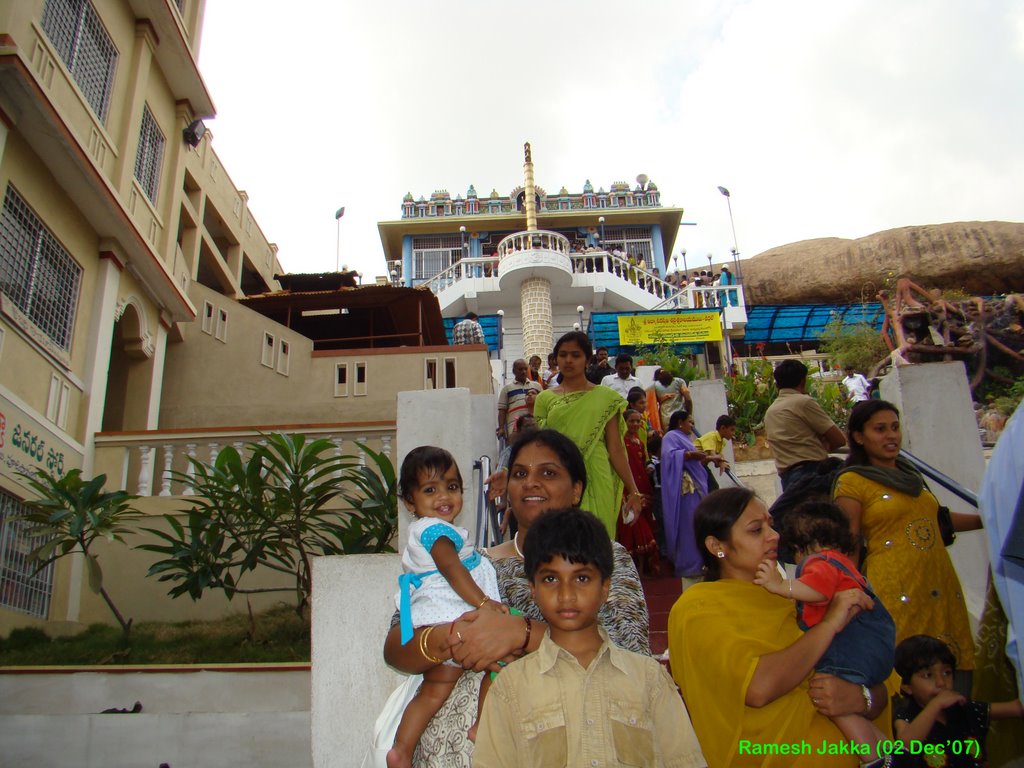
(721, 555)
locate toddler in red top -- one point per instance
(819, 535)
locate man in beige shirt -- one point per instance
(800, 434)
(578, 700)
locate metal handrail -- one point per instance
(728, 473)
(941, 478)
(488, 528)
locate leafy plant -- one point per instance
(271, 511)
(856, 344)
(665, 355)
(749, 396)
(72, 513)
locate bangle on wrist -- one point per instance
(790, 582)
(868, 698)
(425, 649)
(529, 630)
(483, 602)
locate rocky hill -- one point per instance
(979, 257)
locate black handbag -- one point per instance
(946, 526)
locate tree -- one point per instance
(271, 511)
(856, 344)
(73, 513)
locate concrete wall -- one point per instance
(939, 427)
(209, 381)
(207, 719)
(353, 601)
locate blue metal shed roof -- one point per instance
(770, 323)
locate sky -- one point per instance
(823, 119)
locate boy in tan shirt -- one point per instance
(579, 700)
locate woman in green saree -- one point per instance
(591, 416)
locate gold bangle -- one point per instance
(483, 602)
(424, 648)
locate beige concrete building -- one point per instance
(126, 251)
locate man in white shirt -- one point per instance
(857, 387)
(623, 379)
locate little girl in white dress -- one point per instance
(443, 577)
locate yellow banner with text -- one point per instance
(675, 328)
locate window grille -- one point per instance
(22, 588)
(635, 241)
(82, 42)
(150, 154)
(431, 255)
(36, 273)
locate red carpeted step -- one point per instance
(661, 594)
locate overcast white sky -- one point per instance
(823, 119)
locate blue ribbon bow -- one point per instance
(407, 582)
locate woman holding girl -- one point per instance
(591, 416)
(546, 471)
(745, 668)
(889, 507)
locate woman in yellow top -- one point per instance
(745, 668)
(886, 502)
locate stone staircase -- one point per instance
(661, 594)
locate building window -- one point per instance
(221, 332)
(434, 254)
(208, 310)
(57, 402)
(430, 373)
(149, 155)
(283, 357)
(449, 372)
(22, 587)
(360, 386)
(341, 380)
(267, 355)
(634, 241)
(86, 49)
(36, 273)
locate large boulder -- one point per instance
(978, 257)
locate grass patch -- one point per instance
(281, 636)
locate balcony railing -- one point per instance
(145, 463)
(539, 239)
(592, 262)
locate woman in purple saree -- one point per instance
(684, 482)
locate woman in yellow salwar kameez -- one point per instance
(745, 668)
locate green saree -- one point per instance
(582, 417)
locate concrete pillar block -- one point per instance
(462, 424)
(939, 426)
(353, 601)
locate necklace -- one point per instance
(515, 543)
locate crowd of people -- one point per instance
(536, 650)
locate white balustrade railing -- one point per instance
(538, 239)
(152, 463)
(464, 268)
(704, 296)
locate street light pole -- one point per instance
(600, 221)
(732, 223)
(337, 238)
